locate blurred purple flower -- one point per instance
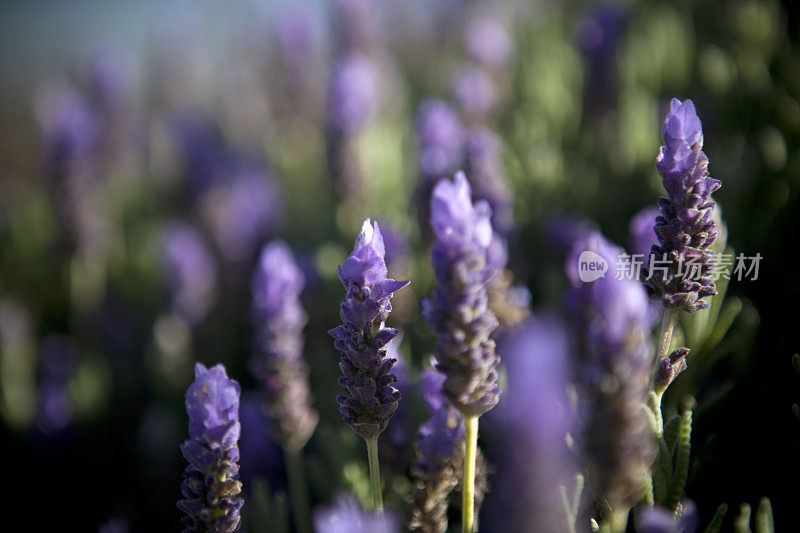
(110, 78)
(278, 363)
(484, 167)
(438, 438)
(353, 93)
(685, 227)
(599, 35)
(190, 270)
(347, 516)
(642, 235)
(439, 140)
(474, 91)
(355, 24)
(534, 418)
(488, 42)
(370, 396)
(58, 357)
(660, 520)
(613, 319)
(260, 455)
(241, 209)
(115, 525)
(211, 486)
(458, 312)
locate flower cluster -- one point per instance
(211, 487)
(278, 363)
(686, 227)
(370, 397)
(459, 311)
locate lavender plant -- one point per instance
(211, 486)
(613, 321)
(460, 316)
(278, 363)
(370, 398)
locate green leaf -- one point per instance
(742, 523)
(265, 514)
(764, 520)
(729, 312)
(681, 460)
(671, 432)
(716, 522)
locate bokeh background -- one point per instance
(122, 124)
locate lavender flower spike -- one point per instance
(370, 397)
(278, 363)
(459, 311)
(613, 319)
(211, 486)
(686, 227)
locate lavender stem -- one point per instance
(297, 488)
(470, 448)
(375, 473)
(665, 339)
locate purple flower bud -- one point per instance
(190, 270)
(669, 368)
(278, 363)
(459, 311)
(370, 397)
(211, 487)
(613, 320)
(347, 516)
(488, 42)
(686, 227)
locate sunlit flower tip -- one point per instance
(370, 396)
(686, 227)
(459, 312)
(211, 487)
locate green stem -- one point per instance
(665, 339)
(468, 492)
(375, 473)
(297, 489)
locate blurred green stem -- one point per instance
(297, 489)
(375, 473)
(470, 449)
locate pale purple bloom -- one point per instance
(347, 516)
(370, 397)
(459, 310)
(660, 520)
(278, 363)
(211, 487)
(488, 42)
(110, 78)
(190, 269)
(685, 227)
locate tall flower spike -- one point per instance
(686, 227)
(211, 486)
(278, 363)
(370, 397)
(613, 319)
(459, 311)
